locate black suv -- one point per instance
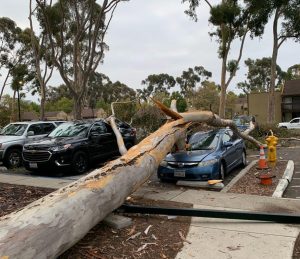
(74, 145)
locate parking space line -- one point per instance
(295, 186)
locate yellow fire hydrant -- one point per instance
(271, 143)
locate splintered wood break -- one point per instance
(99, 183)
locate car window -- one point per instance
(99, 128)
(14, 129)
(295, 121)
(71, 129)
(202, 141)
(48, 127)
(36, 128)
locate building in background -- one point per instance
(291, 100)
(258, 106)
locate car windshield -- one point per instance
(70, 129)
(202, 141)
(14, 129)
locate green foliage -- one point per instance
(103, 105)
(63, 104)
(154, 84)
(181, 103)
(258, 76)
(263, 130)
(147, 119)
(189, 78)
(125, 111)
(293, 72)
(4, 116)
(206, 97)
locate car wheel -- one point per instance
(13, 158)
(79, 163)
(222, 172)
(244, 159)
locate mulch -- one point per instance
(250, 184)
(149, 236)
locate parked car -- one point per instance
(243, 121)
(211, 155)
(73, 145)
(293, 124)
(15, 135)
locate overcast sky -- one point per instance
(155, 36)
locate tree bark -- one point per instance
(54, 223)
(271, 101)
(51, 225)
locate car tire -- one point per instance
(79, 163)
(244, 159)
(222, 171)
(13, 158)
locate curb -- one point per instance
(285, 180)
(239, 176)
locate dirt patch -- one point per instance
(150, 236)
(15, 197)
(250, 184)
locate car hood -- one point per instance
(188, 156)
(4, 138)
(52, 142)
(283, 123)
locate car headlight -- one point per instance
(208, 162)
(61, 148)
(164, 163)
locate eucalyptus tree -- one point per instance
(101, 88)
(189, 79)
(293, 72)
(232, 22)
(156, 83)
(285, 17)
(76, 31)
(9, 32)
(259, 74)
(43, 65)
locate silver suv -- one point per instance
(15, 135)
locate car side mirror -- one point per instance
(30, 133)
(227, 144)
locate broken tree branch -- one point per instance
(49, 226)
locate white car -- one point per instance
(293, 124)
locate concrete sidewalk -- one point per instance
(224, 238)
(212, 238)
(37, 181)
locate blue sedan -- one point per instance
(211, 155)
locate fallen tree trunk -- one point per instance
(49, 226)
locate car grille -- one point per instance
(36, 156)
(182, 164)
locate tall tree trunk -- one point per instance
(77, 107)
(222, 104)
(4, 84)
(13, 108)
(271, 101)
(43, 100)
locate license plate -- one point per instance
(33, 165)
(180, 173)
